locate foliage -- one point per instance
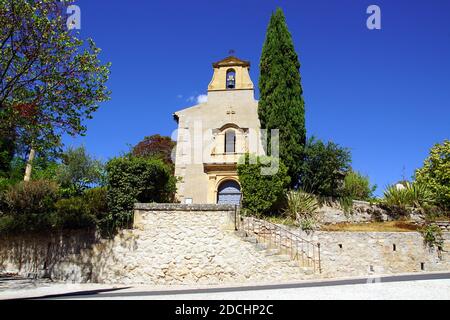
(155, 146)
(432, 235)
(261, 193)
(97, 203)
(72, 213)
(29, 206)
(86, 211)
(34, 197)
(435, 174)
(79, 170)
(7, 149)
(324, 168)
(357, 187)
(401, 200)
(51, 81)
(133, 179)
(281, 103)
(303, 207)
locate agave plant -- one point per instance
(413, 195)
(302, 206)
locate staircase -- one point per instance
(279, 244)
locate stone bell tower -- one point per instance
(214, 135)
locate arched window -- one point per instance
(231, 79)
(230, 141)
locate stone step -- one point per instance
(251, 239)
(272, 252)
(261, 246)
(281, 258)
(241, 233)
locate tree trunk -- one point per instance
(29, 165)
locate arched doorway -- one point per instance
(229, 192)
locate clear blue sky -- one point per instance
(383, 94)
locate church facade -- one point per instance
(213, 136)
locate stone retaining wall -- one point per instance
(189, 244)
(361, 212)
(372, 253)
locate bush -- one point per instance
(29, 206)
(33, 197)
(357, 187)
(302, 207)
(73, 213)
(132, 180)
(324, 168)
(261, 193)
(432, 236)
(435, 174)
(402, 200)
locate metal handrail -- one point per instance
(279, 234)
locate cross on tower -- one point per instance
(231, 112)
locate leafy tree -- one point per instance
(7, 149)
(157, 146)
(281, 104)
(79, 170)
(132, 180)
(50, 80)
(357, 186)
(261, 193)
(324, 168)
(435, 174)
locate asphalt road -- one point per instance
(430, 286)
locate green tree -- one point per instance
(155, 146)
(435, 174)
(357, 186)
(79, 170)
(281, 104)
(262, 192)
(50, 79)
(324, 168)
(132, 180)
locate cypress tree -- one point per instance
(281, 103)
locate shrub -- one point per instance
(132, 179)
(302, 207)
(324, 168)
(7, 223)
(432, 235)
(33, 197)
(413, 195)
(73, 213)
(435, 174)
(357, 187)
(86, 211)
(262, 193)
(96, 202)
(29, 206)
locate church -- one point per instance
(213, 136)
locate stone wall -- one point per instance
(197, 244)
(371, 253)
(361, 212)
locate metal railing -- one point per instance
(306, 252)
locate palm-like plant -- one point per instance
(302, 206)
(413, 195)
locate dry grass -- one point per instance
(391, 226)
